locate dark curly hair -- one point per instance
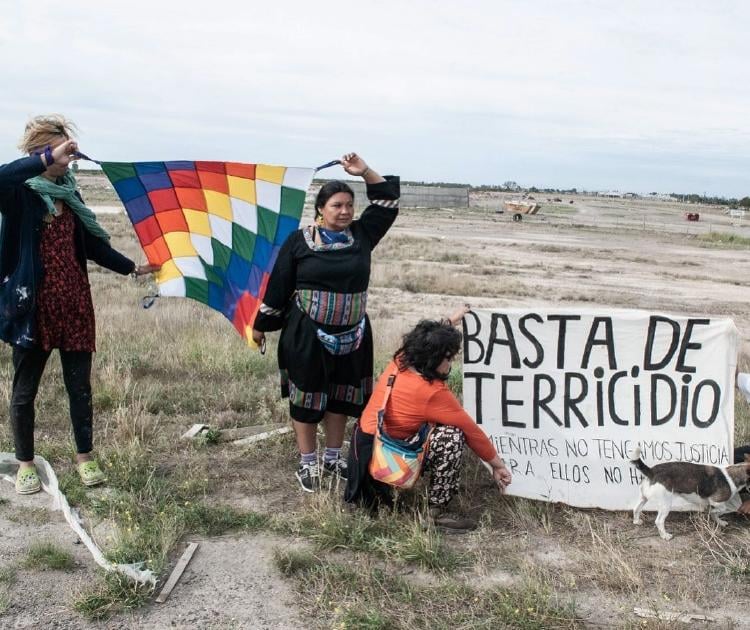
(426, 346)
(328, 190)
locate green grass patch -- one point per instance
(290, 562)
(152, 509)
(47, 555)
(7, 575)
(209, 437)
(740, 569)
(56, 452)
(725, 239)
(108, 397)
(7, 579)
(72, 488)
(113, 593)
(365, 619)
(362, 596)
(216, 520)
(6, 446)
(391, 535)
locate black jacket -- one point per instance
(23, 211)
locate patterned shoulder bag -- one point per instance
(397, 462)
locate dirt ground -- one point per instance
(229, 583)
(605, 253)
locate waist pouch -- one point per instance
(344, 342)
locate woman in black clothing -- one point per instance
(47, 236)
(317, 296)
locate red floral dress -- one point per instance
(65, 312)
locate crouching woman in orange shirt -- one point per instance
(420, 395)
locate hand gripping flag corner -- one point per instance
(214, 227)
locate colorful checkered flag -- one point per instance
(214, 227)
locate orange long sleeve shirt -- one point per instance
(414, 401)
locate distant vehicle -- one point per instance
(692, 216)
(521, 207)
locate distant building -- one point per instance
(661, 196)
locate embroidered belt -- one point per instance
(332, 309)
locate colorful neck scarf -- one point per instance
(65, 190)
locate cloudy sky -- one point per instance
(601, 94)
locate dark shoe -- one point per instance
(451, 523)
(337, 467)
(308, 476)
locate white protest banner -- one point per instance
(567, 395)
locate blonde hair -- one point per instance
(43, 130)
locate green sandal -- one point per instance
(27, 481)
(91, 474)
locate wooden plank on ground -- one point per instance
(193, 431)
(230, 435)
(261, 436)
(176, 573)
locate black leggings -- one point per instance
(29, 366)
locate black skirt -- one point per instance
(316, 381)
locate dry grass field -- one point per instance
(273, 558)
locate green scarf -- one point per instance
(65, 189)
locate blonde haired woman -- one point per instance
(47, 236)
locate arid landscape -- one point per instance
(270, 557)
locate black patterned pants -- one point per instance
(443, 463)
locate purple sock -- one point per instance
(331, 454)
(308, 458)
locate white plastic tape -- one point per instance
(8, 468)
